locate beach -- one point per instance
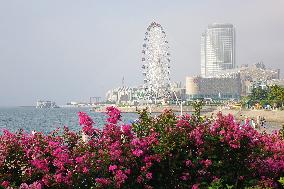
(274, 118)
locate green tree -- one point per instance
(276, 94)
(258, 94)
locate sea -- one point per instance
(47, 120)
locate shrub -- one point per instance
(167, 151)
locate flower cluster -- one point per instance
(155, 152)
(114, 115)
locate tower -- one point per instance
(217, 49)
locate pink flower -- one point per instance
(195, 186)
(149, 176)
(79, 160)
(184, 177)
(114, 115)
(112, 168)
(139, 179)
(46, 180)
(127, 171)
(58, 178)
(126, 129)
(5, 184)
(36, 185)
(188, 163)
(103, 181)
(60, 159)
(207, 163)
(85, 170)
(148, 187)
(87, 123)
(40, 164)
(183, 123)
(24, 186)
(143, 168)
(120, 178)
(137, 152)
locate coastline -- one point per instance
(275, 116)
(159, 109)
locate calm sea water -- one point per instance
(47, 120)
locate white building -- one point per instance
(217, 49)
(214, 88)
(125, 95)
(256, 75)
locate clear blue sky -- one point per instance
(65, 50)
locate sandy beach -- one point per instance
(274, 118)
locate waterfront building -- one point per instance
(213, 88)
(136, 95)
(125, 95)
(217, 49)
(232, 83)
(251, 77)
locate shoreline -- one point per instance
(159, 109)
(275, 116)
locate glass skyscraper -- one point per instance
(217, 49)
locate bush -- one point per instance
(167, 151)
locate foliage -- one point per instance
(166, 151)
(272, 95)
(258, 94)
(276, 94)
(281, 181)
(197, 106)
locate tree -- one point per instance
(276, 94)
(259, 94)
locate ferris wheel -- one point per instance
(156, 63)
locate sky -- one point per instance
(70, 50)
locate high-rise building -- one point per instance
(217, 49)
